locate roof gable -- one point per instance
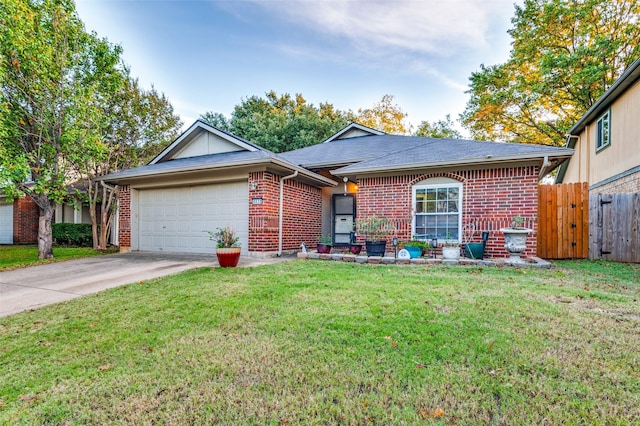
(203, 139)
(354, 130)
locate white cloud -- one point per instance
(374, 27)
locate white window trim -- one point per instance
(599, 134)
(436, 186)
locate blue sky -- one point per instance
(207, 55)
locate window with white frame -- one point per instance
(603, 131)
(438, 210)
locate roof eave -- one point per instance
(565, 153)
(235, 164)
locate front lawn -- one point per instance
(310, 342)
(17, 256)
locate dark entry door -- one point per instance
(344, 214)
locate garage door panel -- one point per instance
(6, 223)
(174, 219)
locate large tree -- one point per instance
(280, 122)
(441, 129)
(125, 126)
(50, 69)
(385, 116)
(565, 55)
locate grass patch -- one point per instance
(332, 343)
(18, 256)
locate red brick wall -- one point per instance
(301, 219)
(26, 214)
(124, 217)
(490, 199)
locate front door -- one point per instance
(344, 214)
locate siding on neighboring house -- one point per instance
(615, 168)
(491, 198)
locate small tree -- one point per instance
(50, 69)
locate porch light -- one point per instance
(253, 185)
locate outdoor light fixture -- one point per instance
(434, 246)
(253, 185)
(395, 245)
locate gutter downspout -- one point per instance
(291, 176)
(546, 163)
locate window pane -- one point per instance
(437, 213)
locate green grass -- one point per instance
(331, 343)
(17, 256)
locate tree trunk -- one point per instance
(92, 193)
(109, 194)
(45, 237)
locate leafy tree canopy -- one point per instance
(442, 129)
(64, 112)
(385, 116)
(565, 55)
(280, 122)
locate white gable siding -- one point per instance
(207, 143)
(354, 133)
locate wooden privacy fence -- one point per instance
(615, 227)
(563, 221)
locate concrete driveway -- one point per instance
(37, 286)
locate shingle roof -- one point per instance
(201, 162)
(391, 152)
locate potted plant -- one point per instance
(375, 230)
(450, 249)
(227, 246)
(324, 244)
(415, 248)
(354, 247)
(515, 238)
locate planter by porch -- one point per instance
(451, 252)
(414, 251)
(515, 242)
(228, 256)
(375, 248)
(474, 250)
(324, 248)
(355, 248)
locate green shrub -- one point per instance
(72, 234)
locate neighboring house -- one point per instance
(19, 219)
(428, 188)
(606, 140)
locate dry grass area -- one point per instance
(328, 343)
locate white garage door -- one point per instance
(174, 219)
(6, 223)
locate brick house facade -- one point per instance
(490, 198)
(496, 182)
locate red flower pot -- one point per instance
(228, 256)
